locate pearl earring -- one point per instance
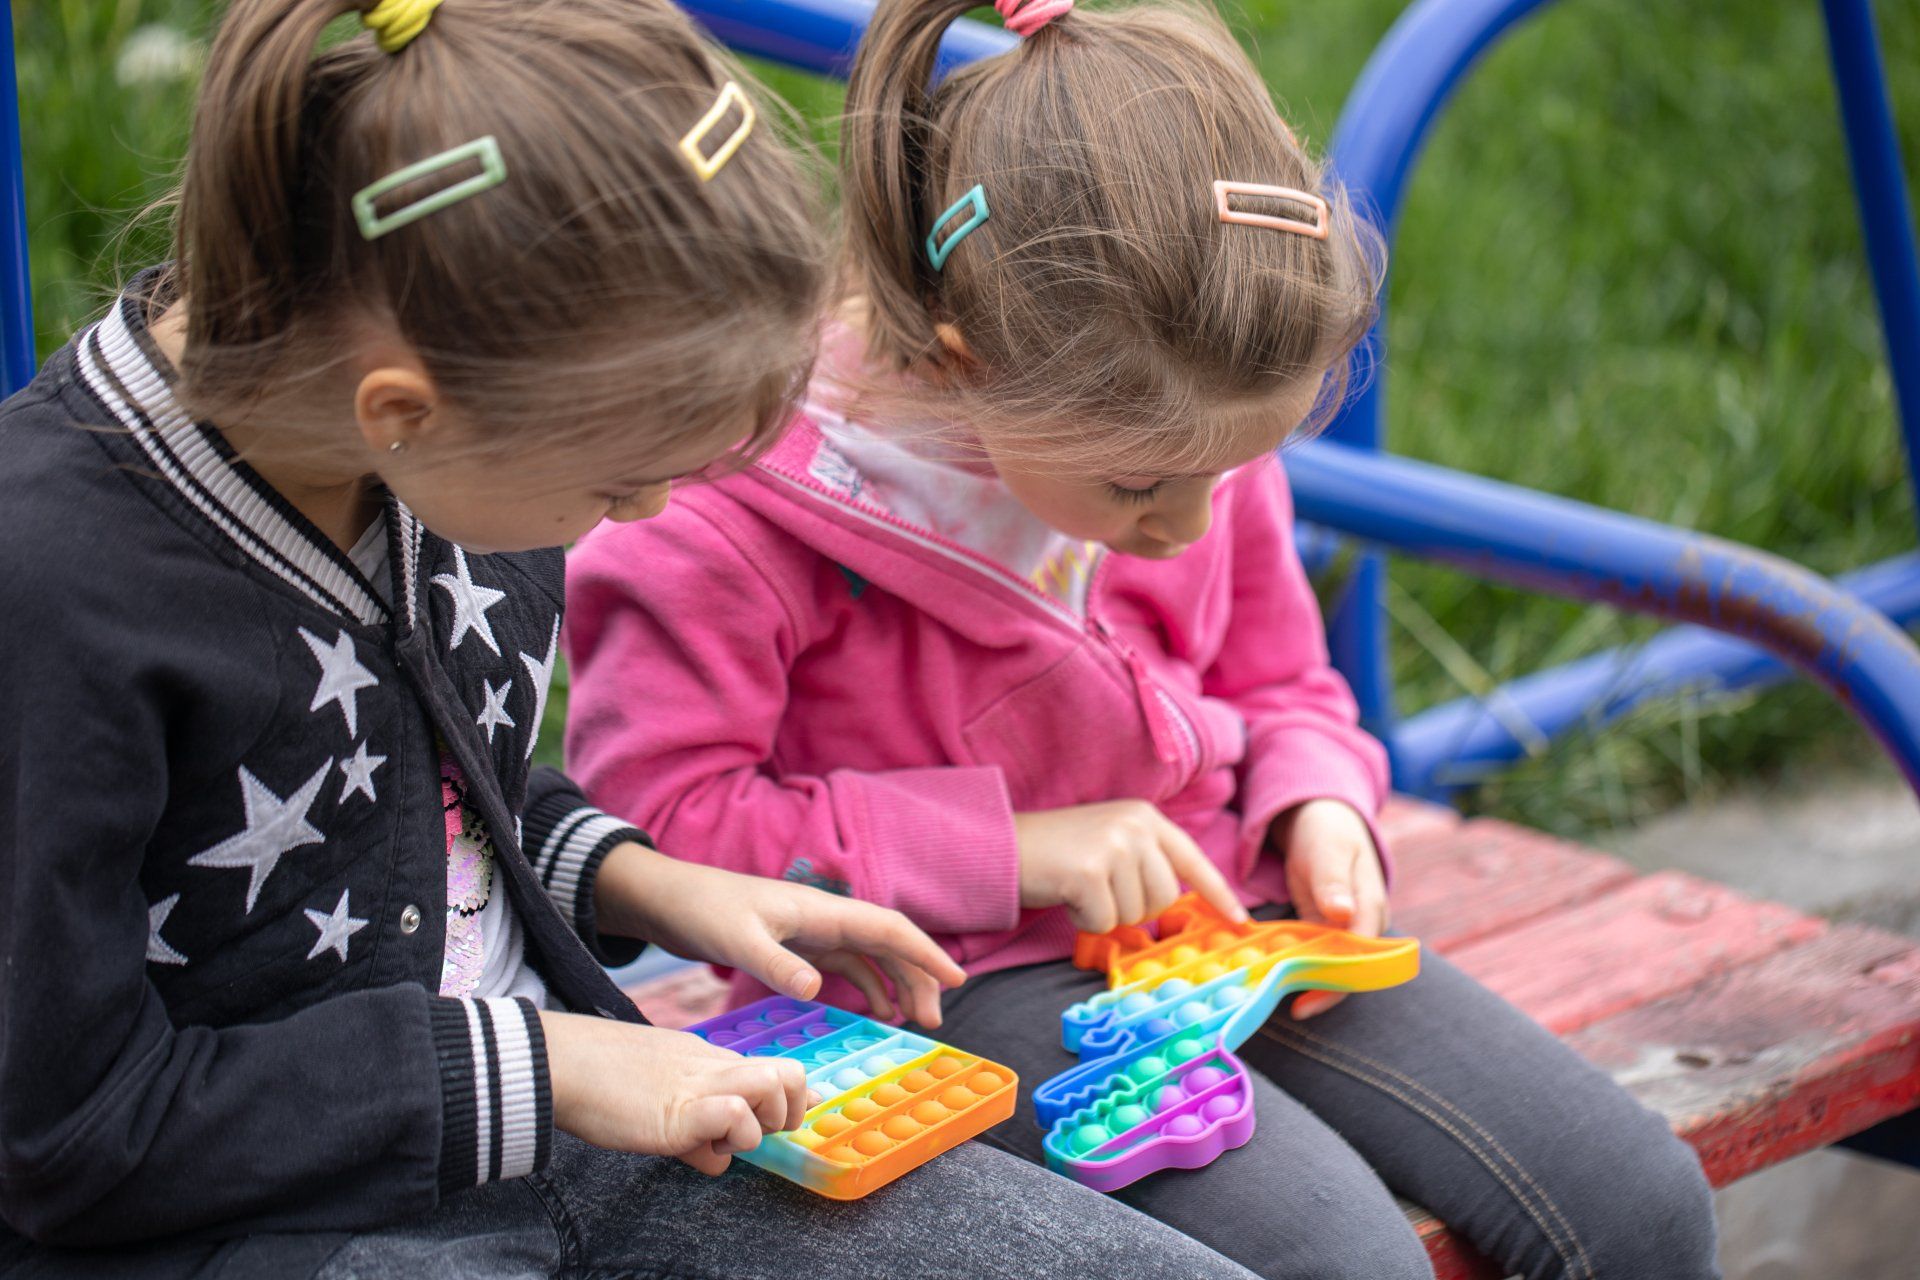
(398, 446)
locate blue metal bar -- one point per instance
(1567, 548)
(1880, 188)
(820, 35)
(1461, 742)
(16, 294)
(1382, 128)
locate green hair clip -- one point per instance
(493, 172)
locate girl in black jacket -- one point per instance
(300, 966)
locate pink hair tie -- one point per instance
(1024, 17)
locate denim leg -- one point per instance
(1296, 1203)
(1467, 1106)
(974, 1212)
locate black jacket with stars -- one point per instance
(222, 848)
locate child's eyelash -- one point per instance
(1124, 494)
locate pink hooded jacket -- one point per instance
(794, 672)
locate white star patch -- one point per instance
(335, 928)
(274, 826)
(158, 952)
(495, 712)
(542, 673)
(341, 676)
(470, 603)
(359, 770)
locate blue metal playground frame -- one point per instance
(1746, 616)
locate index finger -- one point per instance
(883, 933)
(1194, 867)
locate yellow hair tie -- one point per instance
(396, 22)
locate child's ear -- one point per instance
(394, 405)
(958, 353)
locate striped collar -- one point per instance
(121, 366)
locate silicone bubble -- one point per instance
(1154, 1028)
(1089, 1136)
(1173, 988)
(1179, 1127)
(1168, 1096)
(867, 1129)
(1203, 1078)
(1147, 969)
(1129, 1114)
(1184, 954)
(1191, 1012)
(1148, 1068)
(1228, 997)
(1135, 1002)
(1220, 1106)
(1209, 971)
(1185, 1049)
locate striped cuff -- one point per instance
(568, 860)
(497, 1103)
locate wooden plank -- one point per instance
(1405, 818)
(1772, 1059)
(1646, 940)
(1457, 884)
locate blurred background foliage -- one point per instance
(1629, 271)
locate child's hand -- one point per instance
(783, 934)
(1333, 875)
(666, 1093)
(1112, 864)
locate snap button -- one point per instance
(409, 918)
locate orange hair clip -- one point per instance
(1315, 230)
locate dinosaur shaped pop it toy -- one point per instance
(1158, 1086)
(893, 1100)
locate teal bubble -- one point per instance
(1128, 1115)
(1148, 1068)
(1189, 1048)
(1089, 1136)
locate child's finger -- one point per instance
(914, 990)
(1197, 870)
(1129, 893)
(858, 970)
(1312, 1004)
(763, 1083)
(1162, 886)
(1094, 911)
(723, 1123)
(1330, 881)
(705, 1159)
(763, 956)
(882, 932)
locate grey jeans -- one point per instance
(1438, 1091)
(598, 1215)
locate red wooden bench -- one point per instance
(1760, 1033)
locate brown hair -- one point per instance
(602, 278)
(1108, 312)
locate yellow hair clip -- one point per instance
(690, 146)
(395, 23)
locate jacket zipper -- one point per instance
(1175, 740)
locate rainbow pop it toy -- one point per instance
(1158, 1086)
(893, 1100)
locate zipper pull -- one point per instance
(1166, 743)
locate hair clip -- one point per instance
(1024, 17)
(1316, 230)
(707, 165)
(939, 250)
(493, 172)
(395, 23)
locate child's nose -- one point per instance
(1178, 525)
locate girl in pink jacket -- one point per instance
(1009, 633)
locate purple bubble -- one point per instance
(1167, 1096)
(1220, 1106)
(1183, 1126)
(723, 1038)
(1204, 1078)
(1157, 1027)
(791, 1042)
(818, 1029)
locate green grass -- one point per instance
(1629, 272)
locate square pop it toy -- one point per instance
(893, 1100)
(1158, 1086)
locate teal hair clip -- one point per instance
(493, 172)
(938, 250)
